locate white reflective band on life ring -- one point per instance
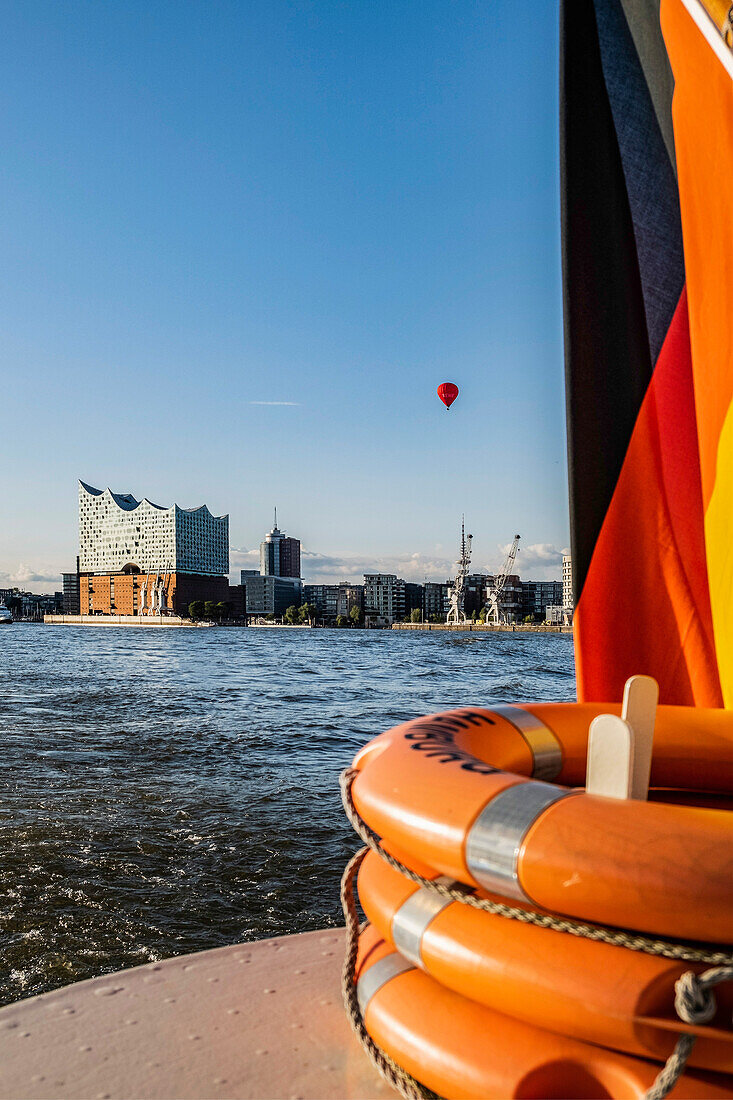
(378, 975)
(544, 745)
(495, 838)
(413, 917)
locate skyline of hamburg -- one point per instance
(248, 290)
(542, 560)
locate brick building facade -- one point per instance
(147, 593)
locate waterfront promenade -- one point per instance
(488, 628)
(175, 620)
(121, 620)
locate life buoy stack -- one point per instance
(527, 938)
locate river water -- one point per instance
(166, 791)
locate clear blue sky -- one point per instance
(211, 206)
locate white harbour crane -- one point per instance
(494, 594)
(457, 613)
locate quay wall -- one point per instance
(120, 620)
(484, 628)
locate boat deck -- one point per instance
(250, 1021)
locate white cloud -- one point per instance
(540, 561)
(327, 568)
(273, 402)
(241, 558)
(331, 568)
(43, 579)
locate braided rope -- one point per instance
(695, 1004)
(615, 937)
(394, 1074)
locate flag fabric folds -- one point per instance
(646, 145)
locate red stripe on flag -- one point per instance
(645, 606)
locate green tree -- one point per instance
(482, 615)
(291, 615)
(341, 621)
(474, 616)
(415, 615)
(307, 613)
(356, 615)
(529, 618)
(210, 610)
(196, 609)
(223, 610)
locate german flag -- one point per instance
(647, 210)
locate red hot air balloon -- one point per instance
(447, 392)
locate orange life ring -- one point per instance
(581, 988)
(463, 1050)
(454, 791)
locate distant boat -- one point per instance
(5, 614)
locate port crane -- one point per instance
(494, 594)
(457, 614)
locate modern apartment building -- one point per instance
(139, 558)
(325, 599)
(279, 555)
(413, 597)
(271, 595)
(332, 600)
(350, 596)
(567, 582)
(435, 599)
(70, 583)
(474, 593)
(384, 598)
(537, 596)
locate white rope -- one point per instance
(695, 1004)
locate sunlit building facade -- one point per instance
(138, 558)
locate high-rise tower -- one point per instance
(279, 555)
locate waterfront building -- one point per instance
(138, 558)
(435, 600)
(350, 596)
(70, 582)
(537, 596)
(31, 605)
(567, 582)
(325, 599)
(116, 531)
(279, 555)
(271, 595)
(237, 600)
(474, 594)
(413, 597)
(332, 600)
(384, 599)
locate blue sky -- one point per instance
(244, 242)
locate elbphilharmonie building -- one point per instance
(136, 557)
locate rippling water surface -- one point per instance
(165, 791)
